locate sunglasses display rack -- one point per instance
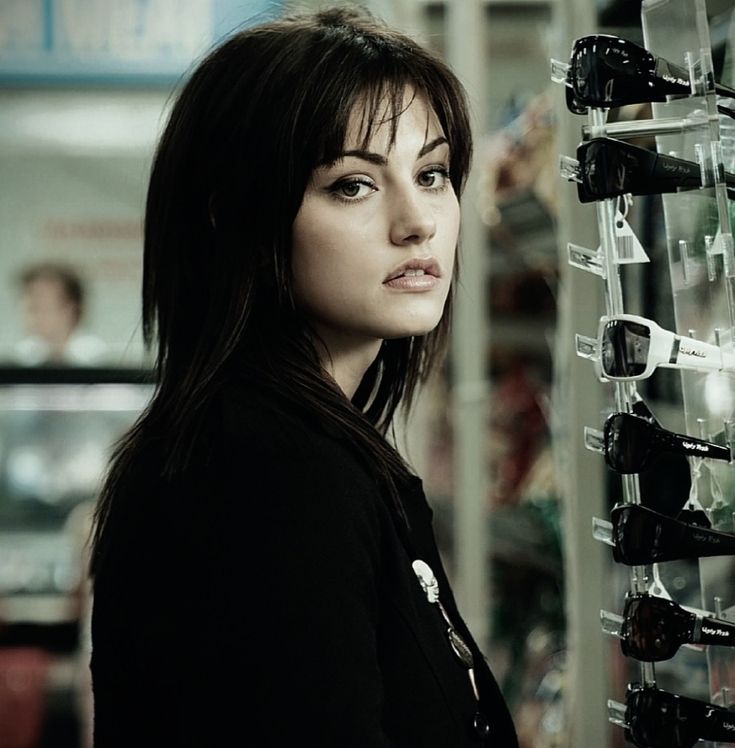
(674, 72)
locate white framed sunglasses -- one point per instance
(629, 347)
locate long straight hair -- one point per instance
(244, 136)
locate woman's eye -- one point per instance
(352, 189)
(437, 177)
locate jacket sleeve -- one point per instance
(298, 568)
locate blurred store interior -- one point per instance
(85, 86)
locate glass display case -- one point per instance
(672, 698)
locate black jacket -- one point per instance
(266, 598)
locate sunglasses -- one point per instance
(642, 536)
(654, 628)
(630, 347)
(659, 719)
(631, 443)
(608, 168)
(607, 71)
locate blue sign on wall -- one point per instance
(124, 42)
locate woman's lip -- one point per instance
(428, 264)
(413, 282)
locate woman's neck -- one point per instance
(347, 360)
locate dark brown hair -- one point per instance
(244, 136)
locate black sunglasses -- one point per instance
(643, 536)
(632, 442)
(659, 719)
(608, 71)
(654, 628)
(611, 168)
(671, 503)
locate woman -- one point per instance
(265, 572)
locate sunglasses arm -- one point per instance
(689, 445)
(718, 724)
(691, 353)
(663, 347)
(700, 541)
(713, 631)
(675, 172)
(675, 77)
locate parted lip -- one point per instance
(428, 264)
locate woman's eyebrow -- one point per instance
(373, 158)
(431, 145)
(380, 160)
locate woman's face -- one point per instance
(375, 236)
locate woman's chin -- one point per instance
(410, 331)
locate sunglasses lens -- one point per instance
(573, 104)
(653, 628)
(608, 168)
(625, 347)
(651, 717)
(637, 535)
(582, 64)
(628, 442)
(597, 163)
(659, 719)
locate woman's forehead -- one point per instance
(375, 122)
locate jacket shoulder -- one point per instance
(246, 424)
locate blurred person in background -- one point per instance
(52, 299)
(264, 566)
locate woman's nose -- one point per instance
(413, 221)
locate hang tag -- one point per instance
(628, 248)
